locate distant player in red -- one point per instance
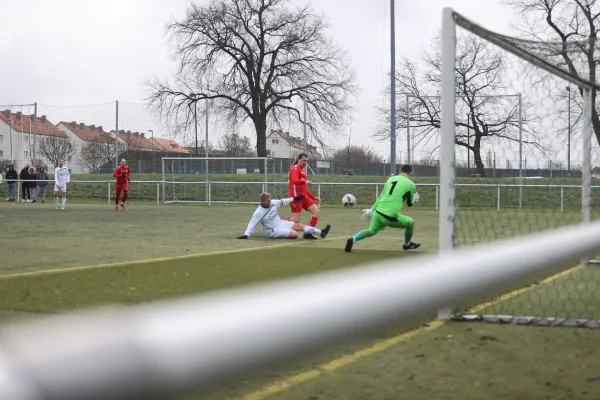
(297, 181)
(123, 176)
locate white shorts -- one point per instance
(281, 231)
(63, 189)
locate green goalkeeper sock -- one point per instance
(365, 233)
(408, 233)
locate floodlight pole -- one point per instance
(569, 133)
(117, 133)
(392, 90)
(304, 126)
(520, 151)
(408, 154)
(34, 158)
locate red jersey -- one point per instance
(297, 183)
(122, 174)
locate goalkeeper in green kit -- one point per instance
(398, 189)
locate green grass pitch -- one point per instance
(458, 360)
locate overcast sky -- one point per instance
(73, 52)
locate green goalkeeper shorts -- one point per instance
(379, 222)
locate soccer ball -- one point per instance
(348, 200)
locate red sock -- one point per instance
(313, 221)
(117, 199)
(124, 197)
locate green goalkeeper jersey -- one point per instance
(398, 189)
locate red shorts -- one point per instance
(297, 206)
(122, 186)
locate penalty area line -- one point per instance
(284, 384)
(152, 260)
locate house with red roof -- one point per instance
(281, 144)
(83, 135)
(18, 134)
(168, 145)
(136, 141)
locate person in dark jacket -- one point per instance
(24, 177)
(11, 179)
(42, 177)
(32, 185)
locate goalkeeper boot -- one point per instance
(325, 231)
(349, 244)
(309, 236)
(411, 246)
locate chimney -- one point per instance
(100, 128)
(73, 124)
(93, 127)
(43, 119)
(136, 134)
(129, 132)
(7, 113)
(81, 126)
(31, 117)
(142, 134)
(19, 115)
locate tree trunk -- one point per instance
(477, 157)
(261, 137)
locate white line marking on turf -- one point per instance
(152, 260)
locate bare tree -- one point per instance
(568, 31)
(254, 60)
(95, 153)
(234, 145)
(55, 148)
(354, 153)
(482, 112)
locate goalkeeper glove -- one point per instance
(296, 198)
(243, 237)
(129, 180)
(416, 198)
(367, 214)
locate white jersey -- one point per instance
(61, 176)
(267, 216)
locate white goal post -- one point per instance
(179, 186)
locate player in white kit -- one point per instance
(62, 178)
(267, 216)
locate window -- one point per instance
(69, 159)
(1, 139)
(275, 141)
(26, 155)
(1, 153)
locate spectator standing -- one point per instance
(24, 177)
(11, 179)
(32, 185)
(42, 177)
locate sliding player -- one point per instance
(398, 189)
(62, 178)
(123, 177)
(266, 214)
(297, 181)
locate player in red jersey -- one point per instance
(123, 177)
(297, 181)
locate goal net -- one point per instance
(235, 180)
(524, 108)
